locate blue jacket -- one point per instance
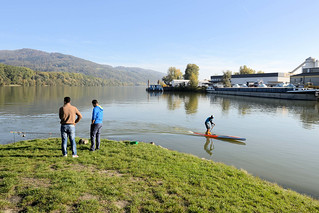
(97, 115)
(209, 119)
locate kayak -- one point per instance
(221, 136)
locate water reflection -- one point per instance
(154, 94)
(175, 100)
(31, 100)
(209, 146)
(225, 105)
(191, 104)
(306, 111)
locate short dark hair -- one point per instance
(95, 101)
(67, 100)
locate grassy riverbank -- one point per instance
(132, 178)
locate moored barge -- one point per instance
(269, 92)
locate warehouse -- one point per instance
(309, 75)
(270, 79)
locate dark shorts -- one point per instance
(207, 125)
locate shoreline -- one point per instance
(12, 85)
(139, 177)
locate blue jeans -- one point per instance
(95, 132)
(68, 131)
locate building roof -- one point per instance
(179, 80)
(259, 75)
(306, 74)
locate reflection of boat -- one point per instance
(221, 136)
(155, 94)
(155, 88)
(231, 141)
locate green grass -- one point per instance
(132, 178)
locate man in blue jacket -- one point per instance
(96, 125)
(207, 121)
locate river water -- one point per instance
(282, 143)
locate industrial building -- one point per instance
(309, 75)
(270, 79)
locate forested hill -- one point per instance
(57, 62)
(12, 75)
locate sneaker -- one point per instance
(75, 156)
(66, 155)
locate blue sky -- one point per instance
(267, 35)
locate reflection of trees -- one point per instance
(225, 105)
(307, 111)
(30, 100)
(244, 109)
(17, 94)
(38, 95)
(191, 104)
(309, 117)
(174, 101)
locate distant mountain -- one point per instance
(56, 62)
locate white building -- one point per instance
(309, 75)
(177, 83)
(269, 79)
(311, 65)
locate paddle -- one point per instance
(212, 128)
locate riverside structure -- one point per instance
(267, 83)
(269, 92)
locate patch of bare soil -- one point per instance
(121, 204)
(111, 173)
(34, 182)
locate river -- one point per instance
(282, 135)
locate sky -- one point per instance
(265, 35)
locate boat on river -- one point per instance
(227, 137)
(305, 91)
(155, 88)
(210, 89)
(268, 92)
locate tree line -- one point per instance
(23, 76)
(191, 74)
(242, 71)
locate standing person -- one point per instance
(69, 116)
(96, 125)
(207, 121)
